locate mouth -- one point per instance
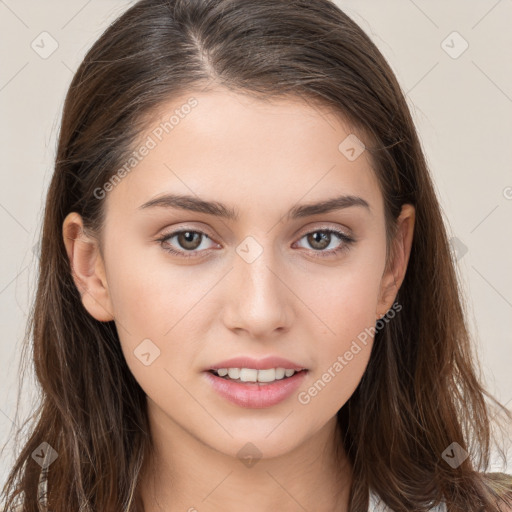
(246, 388)
(253, 376)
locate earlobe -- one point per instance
(87, 268)
(399, 259)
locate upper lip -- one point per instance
(257, 364)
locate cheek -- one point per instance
(342, 355)
(148, 293)
(142, 296)
(156, 301)
(346, 299)
(347, 305)
(148, 305)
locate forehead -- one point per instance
(246, 151)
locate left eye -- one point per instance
(321, 239)
(189, 241)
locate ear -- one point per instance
(396, 268)
(87, 268)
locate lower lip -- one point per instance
(256, 395)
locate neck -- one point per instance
(184, 474)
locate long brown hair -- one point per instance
(421, 391)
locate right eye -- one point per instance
(188, 239)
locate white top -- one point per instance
(376, 505)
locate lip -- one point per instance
(257, 364)
(255, 395)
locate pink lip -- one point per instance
(253, 394)
(257, 364)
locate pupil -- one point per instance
(319, 239)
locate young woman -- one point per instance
(247, 299)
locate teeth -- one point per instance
(252, 375)
(234, 373)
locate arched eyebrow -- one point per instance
(326, 206)
(196, 204)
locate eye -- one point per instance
(323, 238)
(189, 242)
(187, 239)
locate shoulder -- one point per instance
(16, 508)
(377, 505)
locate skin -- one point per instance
(261, 158)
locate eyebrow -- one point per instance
(195, 204)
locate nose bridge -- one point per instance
(260, 302)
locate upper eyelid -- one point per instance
(346, 231)
(173, 232)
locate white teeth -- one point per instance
(249, 375)
(252, 375)
(234, 373)
(280, 373)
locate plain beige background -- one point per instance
(453, 61)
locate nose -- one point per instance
(257, 298)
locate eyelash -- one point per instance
(347, 242)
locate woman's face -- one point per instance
(267, 281)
